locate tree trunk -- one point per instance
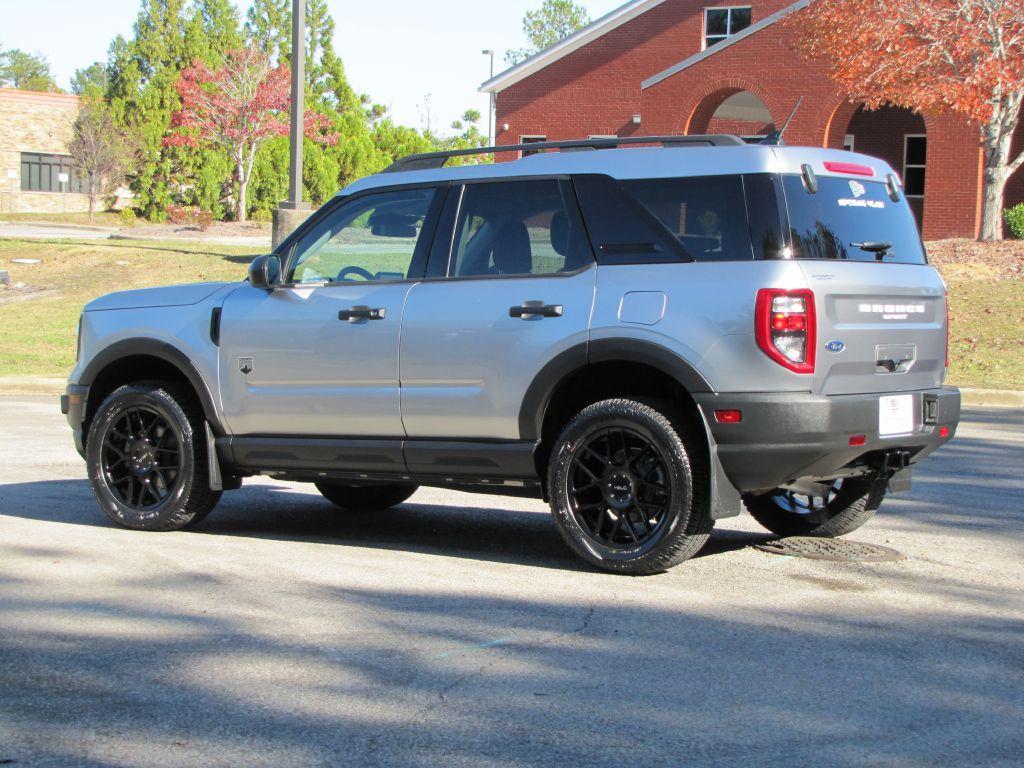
(93, 193)
(992, 204)
(997, 137)
(243, 183)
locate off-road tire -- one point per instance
(686, 523)
(189, 499)
(366, 498)
(854, 503)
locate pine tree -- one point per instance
(143, 71)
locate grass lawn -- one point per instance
(38, 323)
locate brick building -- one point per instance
(689, 66)
(35, 129)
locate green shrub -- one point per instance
(128, 217)
(262, 216)
(1015, 220)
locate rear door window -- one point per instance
(519, 228)
(850, 219)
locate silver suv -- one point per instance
(646, 337)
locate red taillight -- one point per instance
(784, 327)
(858, 440)
(854, 169)
(943, 431)
(728, 417)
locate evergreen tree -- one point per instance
(90, 81)
(268, 26)
(26, 71)
(143, 72)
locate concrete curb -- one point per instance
(39, 385)
(32, 385)
(1002, 398)
(58, 225)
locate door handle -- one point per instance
(535, 309)
(355, 314)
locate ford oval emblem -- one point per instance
(835, 346)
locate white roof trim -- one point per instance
(563, 48)
(753, 29)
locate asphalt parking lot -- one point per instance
(457, 630)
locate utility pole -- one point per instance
(293, 211)
(490, 111)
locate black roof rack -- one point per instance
(430, 160)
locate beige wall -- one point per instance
(34, 122)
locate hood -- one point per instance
(170, 296)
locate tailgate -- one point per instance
(881, 327)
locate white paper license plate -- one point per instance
(895, 415)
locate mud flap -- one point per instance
(725, 499)
(213, 463)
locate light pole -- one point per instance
(291, 212)
(490, 110)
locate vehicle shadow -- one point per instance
(489, 533)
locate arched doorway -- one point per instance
(734, 111)
(897, 136)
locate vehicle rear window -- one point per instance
(850, 219)
(716, 218)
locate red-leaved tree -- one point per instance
(238, 107)
(962, 56)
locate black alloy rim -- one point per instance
(807, 505)
(141, 458)
(619, 488)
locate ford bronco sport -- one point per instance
(645, 337)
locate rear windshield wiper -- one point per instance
(880, 249)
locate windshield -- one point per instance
(851, 219)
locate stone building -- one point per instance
(35, 129)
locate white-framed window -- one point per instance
(534, 139)
(849, 142)
(725, 21)
(915, 157)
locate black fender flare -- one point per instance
(724, 498)
(162, 351)
(546, 382)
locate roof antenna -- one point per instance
(774, 139)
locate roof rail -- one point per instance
(430, 160)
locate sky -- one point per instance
(397, 51)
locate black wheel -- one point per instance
(366, 498)
(146, 456)
(844, 507)
(622, 489)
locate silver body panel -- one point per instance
(312, 374)
(466, 365)
(708, 319)
(877, 310)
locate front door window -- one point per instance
(376, 238)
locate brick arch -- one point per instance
(701, 109)
(839, 116)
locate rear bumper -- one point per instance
(785, 437)
(73, 405)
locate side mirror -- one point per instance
(265, 272)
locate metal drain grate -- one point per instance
(839, 550)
